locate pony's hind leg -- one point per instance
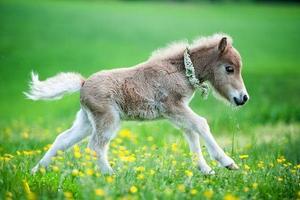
(80, 129)
(105, 125)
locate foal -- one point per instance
(161, 87)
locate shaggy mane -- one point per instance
(177, 48)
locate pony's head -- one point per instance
(225, 73)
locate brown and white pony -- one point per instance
(160, 87)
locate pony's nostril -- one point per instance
(245, 98)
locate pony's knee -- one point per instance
(202, 125)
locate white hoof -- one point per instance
(207, 170)
(225, 161)
(35, 169)
(232, 166)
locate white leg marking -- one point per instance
(186, 118)
(80, 129)
(194, 144)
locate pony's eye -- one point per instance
(229, 69)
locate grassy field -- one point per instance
(151, 160)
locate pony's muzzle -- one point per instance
(241, 100)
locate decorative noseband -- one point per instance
(190, 73)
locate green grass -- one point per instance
(50, 37)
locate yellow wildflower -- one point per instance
(81, 174)
(181, 188)
(26, 186)
(75, 172)
(76, 147)
(99, 192)
(152, 172)
(109, 179)
(87, 150)
(125, 133)
(25, 135)
(89, 172)
(140, 176)
(254, 185)
(133, 189)
(87, 157)
(55, 168)
(42, 170)
(281, 159)
(188, 173)
(174, 147)
(94, 153)
(30, 195)
(77, 154)
(230, 197)
(246, 189)
(244, 156)
(193, 191)
(260, 164)
(280, 179)
(208, 194)
(140, 169)
(246, 167)
(68, 195)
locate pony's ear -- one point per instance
(222, 45)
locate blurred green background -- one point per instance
(52, 37)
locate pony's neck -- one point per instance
(203, 59)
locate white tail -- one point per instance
(54, 87)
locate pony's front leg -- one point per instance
(195, 148)
(198, 124)
(215, 151)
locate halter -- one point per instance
(190, 74)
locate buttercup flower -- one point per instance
(193, 191)
(133, 189)
(254, 185)
(230, 197)
(181, 188)
(189, 173)
(244, 156)
(208, 194)
(99, 192)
